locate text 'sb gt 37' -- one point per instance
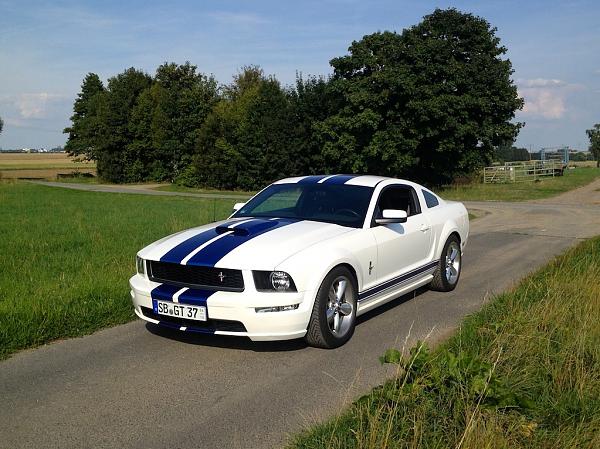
(303, 258)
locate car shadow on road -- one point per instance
(226, 342)
(245, 344)
(390, 305)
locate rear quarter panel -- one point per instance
(446, 218)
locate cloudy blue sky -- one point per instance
(46, 48)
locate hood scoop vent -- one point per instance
(253, 227)
(236, 230)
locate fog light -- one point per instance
(276, 309)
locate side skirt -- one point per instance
(388, 295)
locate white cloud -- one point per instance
(545, 103)
(35, 105)
(231, 18)
(541, 82)
(545, 98)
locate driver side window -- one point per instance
(398, 197)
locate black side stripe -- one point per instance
(397, 280)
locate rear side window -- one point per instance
(430, 199)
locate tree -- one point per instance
(594, 136)
(114, 160)
(507, 152)
(312, 101)
(166, 120)
(247, 140)
(430, 103)
(84, 124)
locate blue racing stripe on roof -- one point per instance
(214, 252)
(339, 179)
(179, 252)
(312, 179)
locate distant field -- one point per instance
(67, 256)
(522, 191)
(41, 165)
(582, 164)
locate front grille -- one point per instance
(209, 278)
(200, 326)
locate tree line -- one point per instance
(594, 137)
(430, 103)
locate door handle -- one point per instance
(425, 228)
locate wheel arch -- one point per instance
(456, 233)
(450, 228)
(350, 268)
(318, 280)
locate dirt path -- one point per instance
(140, 189)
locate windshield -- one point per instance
(341, 204)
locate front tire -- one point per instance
(447, 272)
(334, 312)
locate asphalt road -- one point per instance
(137, 386)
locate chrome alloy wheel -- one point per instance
(453, 262)
(340, 306)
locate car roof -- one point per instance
(356, 180)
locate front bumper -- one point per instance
(234, 313)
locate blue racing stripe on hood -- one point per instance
(214, 252)
(339, 179)
(178, 253)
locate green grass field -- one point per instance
(67, 256)
(523, 191)
(524, 372)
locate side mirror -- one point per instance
(238, 206)
(392, 216)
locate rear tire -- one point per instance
(447, 272)
(334, 312)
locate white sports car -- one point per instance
(303, 258)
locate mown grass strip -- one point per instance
(67, 255)
(524, 372)
(522, 191)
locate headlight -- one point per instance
(269, 281)
(280, 280)
(140, 265)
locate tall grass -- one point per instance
(524, 372)
(66, 256)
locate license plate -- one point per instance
(186, 311)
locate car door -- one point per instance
(401, 247)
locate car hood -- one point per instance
(249, 243)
